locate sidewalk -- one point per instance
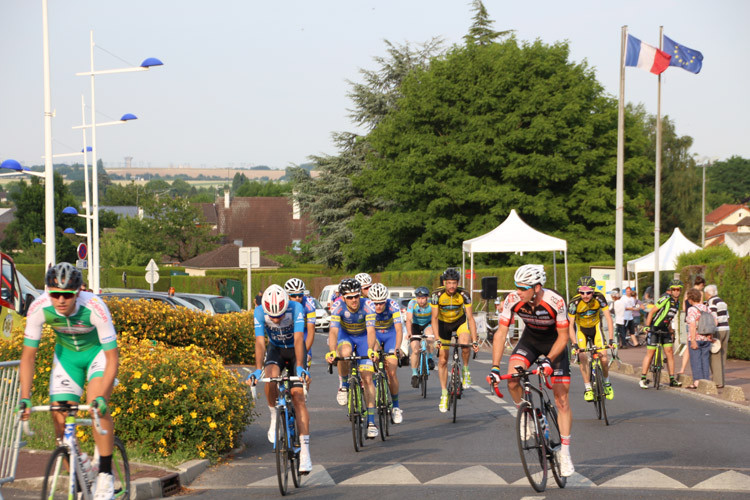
(736, 375)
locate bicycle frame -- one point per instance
(455, 388)
(596, 379)
(356, 393)
(657, 364)
(423, 368)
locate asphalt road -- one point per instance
(664, 443)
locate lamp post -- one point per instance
(87, 234)
(49, 187)
(145, 66)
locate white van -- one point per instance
(326, 296)
(401, 292)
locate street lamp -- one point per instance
(11, 164)
(87, 234)
(145, 66)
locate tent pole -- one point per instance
(463, 264)
(567, 295)
(554, 266)
(471, 291)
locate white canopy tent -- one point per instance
(514, 235)
(676, 245)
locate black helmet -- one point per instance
(422, 291)
(65, 276)
(586, 281)
(451, 274)
(349, 285)
(676, 284)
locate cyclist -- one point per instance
(85, 350)
(451, 307)
(419, 322)
(365, 282)
(295, 287)
(659, 330)
(544, 340)
(584, 314)
(282, 321)
(353, 325)
(389, 333)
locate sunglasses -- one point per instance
(524, 288)
(675, 289)
(379, 303)
(351, 297)
(295, 295)
(59, 295)
(586, 293)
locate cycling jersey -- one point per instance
(666, 307)
(309, 306)
(353, 323)
(281, 334)
(586, 314)
(542, 321)
(451, 308)
(419, 315)
(385, 328)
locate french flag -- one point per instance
(645, 56)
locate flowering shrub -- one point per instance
(229, 336)
(10, 350)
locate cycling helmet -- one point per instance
(676, 284)
(378, 292)
(586, 282)
(422, 291)
(451, 274)
(275, 301)
(364, 279)
(65, 276)
(294, 286)
(349, 285)
(530, 274)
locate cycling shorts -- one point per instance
(425, 330)
(283, 357)
(589, 337)
(446, 329)
(71, 370)
(387, 338)
(655, 338)
(359, 346)
(526, 354)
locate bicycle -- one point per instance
(287, 443)
(383, 402)
(538, 413)
(423, 367)
(80, 480)
(455, 388)
(657, 364)
(355, 405)
(596, 376)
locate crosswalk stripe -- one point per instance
(396, 474)
(319, 476)
(483, 361)
(478, 474)
(639, 477)
(480, 389)
(729, 480)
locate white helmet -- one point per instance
(530, 274)
(378, 292)
(275, 301)
(294, 286)
(364, 279)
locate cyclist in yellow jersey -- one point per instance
(451, 307)
(584, 313)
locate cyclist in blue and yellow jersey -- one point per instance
(85, 351)
(282, 321)
(365, 282)
(389, 333)
(660, 331)
(353, 327)
(295, 287)
(544, 340)
(419, 322)
(584, 314)
(451, 307)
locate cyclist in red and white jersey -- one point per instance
(545, 338)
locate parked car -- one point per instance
(401, 292)
(158, 297)
(322, 318)
(214, 304)
(326, 296)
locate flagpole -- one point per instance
(657, 183)
(619, 196)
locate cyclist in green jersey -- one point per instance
(85, 350)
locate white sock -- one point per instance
(305, 445)
(272, 411)
(588, 387)
(341, 381)
(565, 448)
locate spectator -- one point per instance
(619, 308)
(699, 342)
(698, 284)
(630, 311)
(719, 359)
(636, 316)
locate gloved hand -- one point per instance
(574, 350)
(646, 329)
(612, 344)
(475, 346)
(254, 376)
(398, 354)
(495, 374)
(438, 343)
(301, 372)
(23, 404)
(546, 366)
(330, 356)
(372, 354)
(101, 405)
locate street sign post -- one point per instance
(249, 258)
(152, 274)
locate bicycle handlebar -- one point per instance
(93, 408)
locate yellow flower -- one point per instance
(156, 403)
(208, 419)
(152, 415)
(194, 414)
(162, 442)
(212, 425)
(137, 374)
(177, 420)
(145, 387)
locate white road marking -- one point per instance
(477, 474)
(729, 480)
(395, 474)
(639, 477)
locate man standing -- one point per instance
(719, 308)
(659, 325)
(619, 307)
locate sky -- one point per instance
(248, 83)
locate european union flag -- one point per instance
(685, 58)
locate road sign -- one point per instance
(82, 250)
(249, 257)
(82, 264)
(152, 273)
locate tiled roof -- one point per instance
(226, 256)
(745, 221)
(715, 242)
(723, 212)
(721, 229)
(209, 212)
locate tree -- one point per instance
(126, 195)
(238, 180)
(481, 32)
(181, 187)
(727, 181)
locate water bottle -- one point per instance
(86, 466)
(545, 427)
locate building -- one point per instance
(729, 225)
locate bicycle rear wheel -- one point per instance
(554, 443)
(601, 397)
(656, 367)
(531, 448)
(282, 452)
(56, 477)
(121, 471)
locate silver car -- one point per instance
(212, 304)
(322, 318)
(154, 296)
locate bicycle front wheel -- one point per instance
(355, 416)
(656, 368)
(554, 444)
(531, 447)
(601, 398)
(121, 471)
(382, 406)
(56, 477)
(453, 389)
(282, 454)
(596, 388)
(294, 447)
(423, 374)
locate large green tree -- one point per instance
(727, 181)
